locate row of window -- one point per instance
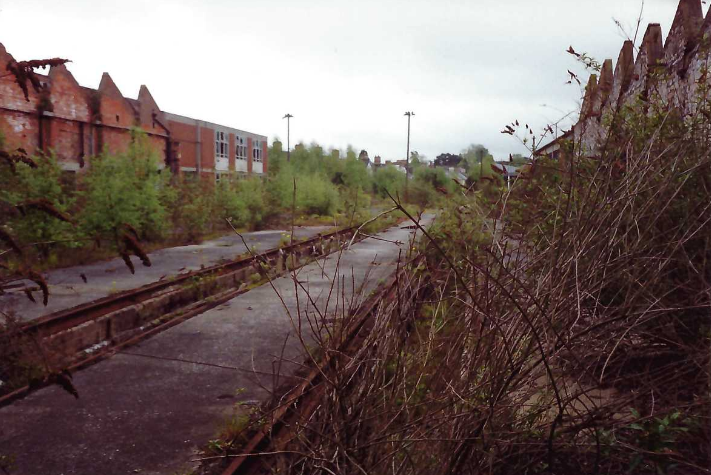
(222, 147)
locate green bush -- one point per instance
(429, 186)
(126, 188)
(193, 210)
(251, 192)
(355, 174)
(243, 201)
(315, 194)
(388, 179)
(228, 204)
(356, 205)
(41, 186)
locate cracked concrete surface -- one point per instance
(67, 289)
(148, 409)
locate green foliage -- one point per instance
(316, 176)
(357, 205)
(473, 156)
(125, 188)
(417, 160)
(536, 197)
(192, 210)
(654, 438)
(351, 153)
(242, 201)
(27, 185)
(228, 204)
(518, 159)
(251, 192)
(477, 169)
(277, 156)
(388, 179)
(315, 194)
(461, 228)
(429, 186)
(355, 174)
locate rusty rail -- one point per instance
(71, 317)
(304, 399)
(55, 323)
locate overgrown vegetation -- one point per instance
(130, 190)
(328, 185)
(559, 327)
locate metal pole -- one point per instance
(288, 133)
(481, 166)
(409, 115)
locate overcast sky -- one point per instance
(346, 70)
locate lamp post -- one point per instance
(481, 166)
(409, 115)
(288, 131)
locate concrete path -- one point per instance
(148, 409)
(67, 289)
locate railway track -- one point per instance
(272, 439)
(87, 333)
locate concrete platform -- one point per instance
(148, 409)
(67, 289)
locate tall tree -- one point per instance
(474, 154)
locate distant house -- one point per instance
(453, 165)
(509, 172)
(399, 164)
(457, 173)
(555, 148)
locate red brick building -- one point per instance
(76, 122)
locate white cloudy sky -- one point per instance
(346, 70)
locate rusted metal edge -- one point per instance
(309, 387)
(207, 304)
(68, 318)
(115, 348)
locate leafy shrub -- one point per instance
(429, 185)
(35, 187)
(242, 201)
(315, 194)
(355, 175)
(356, 205)
(388, 179)
(228, 204)
(251, 193)
(193, 210)
(126, 188)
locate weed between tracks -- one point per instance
(321, 319)
(560, 327)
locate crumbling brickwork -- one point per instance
(681, 62)
(76, 122)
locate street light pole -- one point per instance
(288, 131)
(409, 115)
(481, 166)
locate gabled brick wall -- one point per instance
(683, 57)
(75, 123)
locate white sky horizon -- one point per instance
(347, 71)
